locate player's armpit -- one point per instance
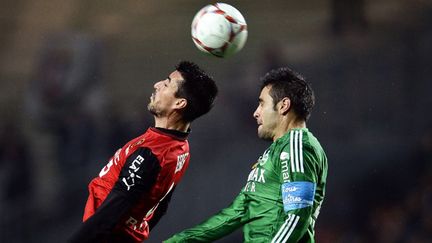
(161, 210)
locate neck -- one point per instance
(172, 124)
(288, 124)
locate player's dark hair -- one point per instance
(284, 82)
(197, 88)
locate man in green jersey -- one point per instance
(285, 189)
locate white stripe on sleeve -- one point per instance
(296, 148)
(301, 151)
(292, 150)
(286, 229)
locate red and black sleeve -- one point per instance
(137, 176)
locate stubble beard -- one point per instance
(152, 109)
(264, 135)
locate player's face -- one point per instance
(266, 116)
(162, 100)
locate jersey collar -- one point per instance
(172, 133)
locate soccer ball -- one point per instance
(219, 29)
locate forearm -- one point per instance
(212, 229)
(100, 226)
(294, 227)
(217, 226)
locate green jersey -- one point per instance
(281, 199)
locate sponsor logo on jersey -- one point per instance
(284, 170)
(263, 158)
(133, 224)
(299, 194)
(256, 175)
(284, 156)
(133, 168)
(250, 187)
(181, 159)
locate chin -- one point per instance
(261, 134)
(264, 135)
(151, 108)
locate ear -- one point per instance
(284, 106)
(180, 103)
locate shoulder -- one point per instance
(298, 139)
(298, 145)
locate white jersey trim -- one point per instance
(286, 229)
(296, 151)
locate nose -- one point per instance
(256, 113)
(156, 85)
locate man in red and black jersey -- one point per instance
(132, 191)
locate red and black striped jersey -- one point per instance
(132, 191)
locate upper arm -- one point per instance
(138, 174)
(298, 181)
(298, 175)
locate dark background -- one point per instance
(76, 77)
